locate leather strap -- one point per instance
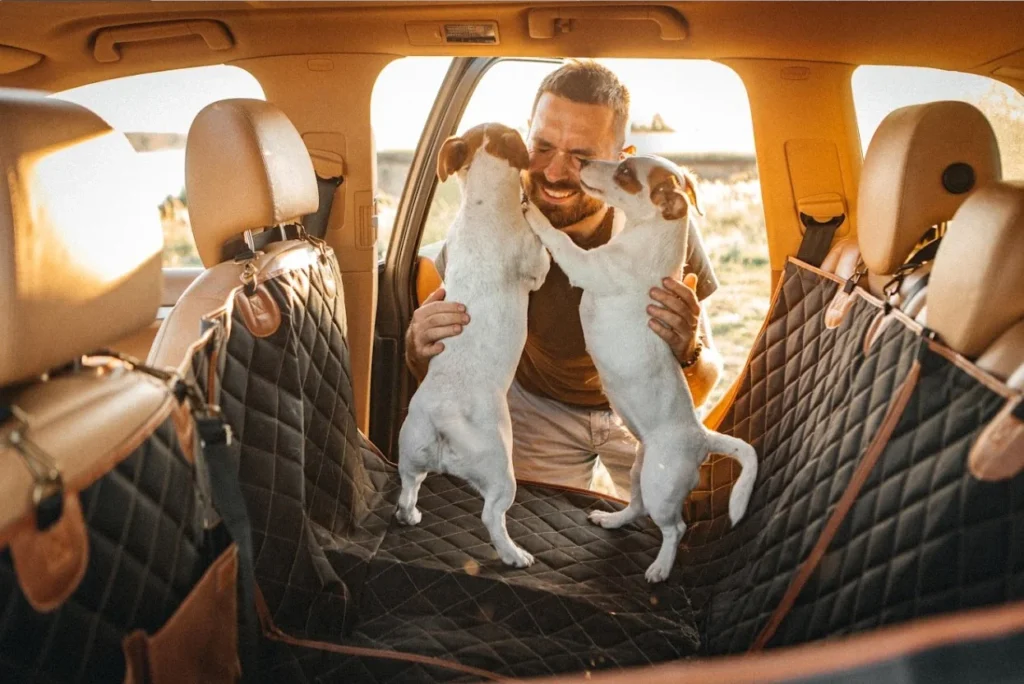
(237, 249)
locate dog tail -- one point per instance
(744, 485)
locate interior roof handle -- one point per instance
(214, 34)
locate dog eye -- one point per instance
(625, 170)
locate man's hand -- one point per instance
(432, 322)
(675, 320)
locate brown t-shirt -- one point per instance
(555, 362)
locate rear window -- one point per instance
(155, 112)
(878, 90)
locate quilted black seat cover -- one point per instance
(334, 566)
(923, 537)
(147, 551)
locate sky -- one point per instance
(705, 102)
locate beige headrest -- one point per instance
(976, 291)
(246, 168)
(922, 163)
(80, 243)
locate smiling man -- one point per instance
(563, 429)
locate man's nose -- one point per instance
(559, 168)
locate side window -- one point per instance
(878, 90)
(402, 98)
(715, 140)
(155, 111)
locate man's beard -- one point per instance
(561, 215)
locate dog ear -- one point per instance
(669, 197)
(510, 147)
(692, 193)
(452, 157)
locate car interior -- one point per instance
(201, 392)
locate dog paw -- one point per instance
(409, 518)
(657, 572)
(517, 558)
(603, 519)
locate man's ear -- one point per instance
(692, 193)
(452, 157)
(669, 198)
(627, 151)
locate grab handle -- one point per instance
(214, 34)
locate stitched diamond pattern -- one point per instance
(290, 663)
(334, 566)
(145, 555)
(923, 536)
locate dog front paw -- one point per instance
(412, 517)
(658, 572)
(517, 557)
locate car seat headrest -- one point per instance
(922, 163)
(246, 168)
(80, 242)
(976, 291)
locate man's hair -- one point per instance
(587, 82)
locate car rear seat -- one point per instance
(822, 397)
(922, 163)
(343, 586)
(113, 565)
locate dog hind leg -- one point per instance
(497, 500)
(416, 442)
(635, 509)
(667, 514)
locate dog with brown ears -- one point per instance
(458, 421)
(639, 373)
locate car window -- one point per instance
(155, 111)
(714, 140)
(401, 102)
(878, 90)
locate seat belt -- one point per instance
(316, 223)
(817, 238)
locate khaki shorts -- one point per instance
(571, 446)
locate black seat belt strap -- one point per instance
(817, 238)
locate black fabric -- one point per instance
(237, 248)
(147, 551)
(333, 564)
(817, 238)
(316, 223)
(923, 537)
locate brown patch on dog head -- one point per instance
(506, 143)
(625, 177)
(670, 193)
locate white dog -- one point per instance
(459, 420)
(640, 375)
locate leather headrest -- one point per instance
(246, 168)
(922, 163)
(80, 243)
(976, 291)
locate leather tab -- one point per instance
(998, 453)
(838, 308)
(200, 641)
(50, 564)
(260, 312)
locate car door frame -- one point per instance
(392, 383)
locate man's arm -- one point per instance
(681, 321)
(703, 375)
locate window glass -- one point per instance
(714, 140)
(878, 90)
(155, 111)
(403, 96)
